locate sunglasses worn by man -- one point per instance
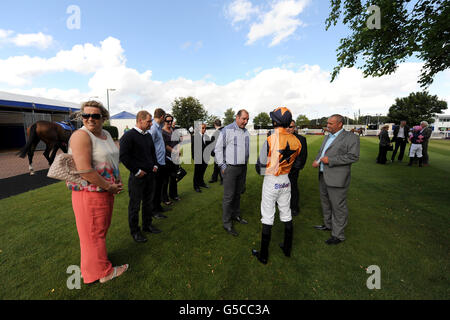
(95, 116)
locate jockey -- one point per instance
(415, 150)
(276, 159)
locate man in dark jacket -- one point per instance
(401, 139)
(384, 145)
(199, 141)
(216, 173)
(137, 153)
(293, 174)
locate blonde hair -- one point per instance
(142, 115)
(96, 104)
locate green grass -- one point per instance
(399, 220)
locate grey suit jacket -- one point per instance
(426, 132)
(342, 152)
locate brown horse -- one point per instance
(52, 134)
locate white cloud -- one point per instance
(38, 40)
(195, 46)
(305, 90)
(85, 59)
(241, 10)
(4, 34)
(186, 45)
(279, 22)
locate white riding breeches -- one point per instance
(416, 150)
(276, 189)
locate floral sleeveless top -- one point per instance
(105, 160)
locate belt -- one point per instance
(237, 165)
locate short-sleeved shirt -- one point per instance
(105, 160)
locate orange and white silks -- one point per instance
(283, 148)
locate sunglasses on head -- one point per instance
(95, 116)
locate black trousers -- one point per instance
(159, 180)
(425, 151)
(382, 153)
(216, 173)
(295, 196)
(140, 190)
(399, 143)
(169, 182)
(199, 173)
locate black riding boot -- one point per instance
(411, 159)
(288, 232)
(263, 254)
(420, 162)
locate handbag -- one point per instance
(63, 168)
(180, 174)
(390, 147)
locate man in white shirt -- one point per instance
(401, 139)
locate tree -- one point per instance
(302, 120)
(373, 119)
(187, 110)
(229, 117)
(418, 106)
(262, 119)
(319, 122)
(404, 30)
(210, 120)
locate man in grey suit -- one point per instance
(338, 151)
(426, 133)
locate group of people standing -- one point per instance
(282, 156)
(147, 151)
(402, 135)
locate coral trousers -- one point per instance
(93, 212)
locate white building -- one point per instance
(123, 120)
(441, 123)
(441, 126)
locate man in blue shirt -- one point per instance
(232, 153)
(338, 151)
(160, 149)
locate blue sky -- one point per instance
(202, 42)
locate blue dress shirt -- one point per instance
(330, 140)
(158, 141)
